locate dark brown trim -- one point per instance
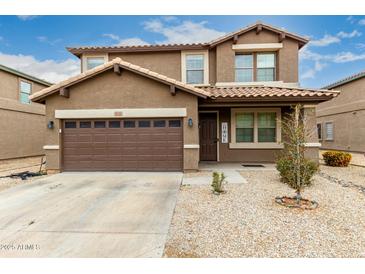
(235, 39)
(117, 69)
(258, 29)
(173, 90)
(281, 37)
(65, 92)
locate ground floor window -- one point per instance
(252, 128)
(329, 131)
(319, 131)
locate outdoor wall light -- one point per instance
(50, 125)
(190, 122)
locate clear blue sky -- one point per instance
(37, 44)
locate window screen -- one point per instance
(244, 127)
(265, 67)
(244, 68)
(195, 69)
(266, 123)
(25, 91)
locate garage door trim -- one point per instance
(120, 113)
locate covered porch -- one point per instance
(242, 125)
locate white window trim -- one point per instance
(255, 144)
(206, 66)
(93, 55)
(242, 68)
(333, 131)
(20, 91)
(274, 67)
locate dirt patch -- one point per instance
(8, 167)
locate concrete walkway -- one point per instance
(89, 215)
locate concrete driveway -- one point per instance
(113, 214)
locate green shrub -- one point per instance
(337, 158)
(288, 175)
(218, 180)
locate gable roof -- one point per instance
(193, 46)
(124, 65)
(302, 40)
(24, 75)
(346, 80)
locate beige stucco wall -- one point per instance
(347, 112)
(129, 90)
(9, 85)
(287, 57)
(22, 129)
(166, 63)
(22, 125)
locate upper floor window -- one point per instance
(244, 68)
(92, 62)
(25, 91)
(195, 68)
(265, 67)
(261, 63)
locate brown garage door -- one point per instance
(139, 144)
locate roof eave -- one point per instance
(271, 99)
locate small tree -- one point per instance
(295, 170)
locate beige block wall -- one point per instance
(22, 129)
(287, 57)
(129, 90)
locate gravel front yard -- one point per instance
(354, 174)
(246, 222)
(8, 167)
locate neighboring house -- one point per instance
(168, 107)
(341, 121)
(22, 123)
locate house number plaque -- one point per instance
(224, 133)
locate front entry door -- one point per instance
(208, 136)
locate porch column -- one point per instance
(312, 145)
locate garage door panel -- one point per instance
(114, 138)
(150, 148)
(99, 137)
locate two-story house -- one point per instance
(341, 121)
(22, 123)
(168, 107)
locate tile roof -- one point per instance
(78, 50)
(126, 65)
(135, 48)
(24, 75)
(259, 92)
(243, 92)
(346, 80)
